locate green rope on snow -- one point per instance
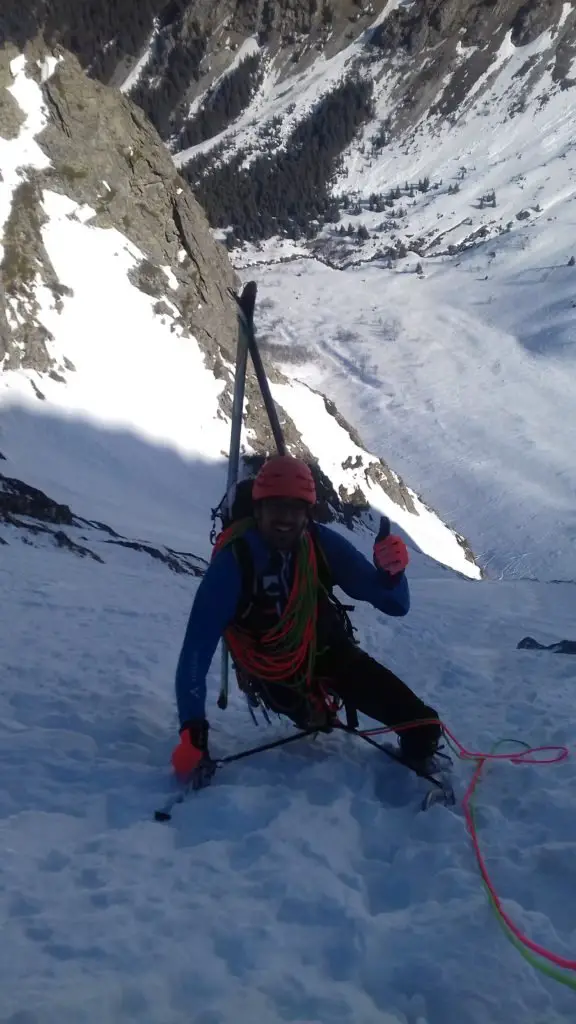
(286, 653)
(538, 963)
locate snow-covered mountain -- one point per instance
(433, 141)
(302, 886)
(118, 345)
(429, 139)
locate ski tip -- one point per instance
(247, 300)
(249, 292)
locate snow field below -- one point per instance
(461, 387)
(303, 885)
(459, 377)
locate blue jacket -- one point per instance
(219, 592)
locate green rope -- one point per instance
(300, 612)
(539, 964)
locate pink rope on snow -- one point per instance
(555, 756)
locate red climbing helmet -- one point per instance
(283, 476)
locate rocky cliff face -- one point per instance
(97, 148)
(200, 69)
(185, 47)
(101, 150)
(245, 84)
(429, 39)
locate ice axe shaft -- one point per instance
(384, 530)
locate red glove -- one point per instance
(391, 554)
(190, 759)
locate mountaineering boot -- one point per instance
(420, 750)
(433, 765)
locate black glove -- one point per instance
(197, 729)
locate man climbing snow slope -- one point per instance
(267, 591)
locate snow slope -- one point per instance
(462, 374)
(142, 379)
(304, 886)
(465, 386)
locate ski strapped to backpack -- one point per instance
(293, 629)
(245, 305)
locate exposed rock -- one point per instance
(433, 30)
(149, 279)
(35, 514)
(178, 563)
(97, 525)
(381, 474)
(23, 339)
(104, 152)
(196, 41)
(533, 18)
(426, 23)
(560, 647)
(62, 540)
(470, 556)
(20, 499)
(11, 116)
(39, 394)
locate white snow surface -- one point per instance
(304, 885)
(125, 381)
(331, 444)
(465, 388)
(289, 99)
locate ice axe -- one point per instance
(383, 532)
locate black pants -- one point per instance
(362, 683)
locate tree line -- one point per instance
(284, 191)
(223, 103)
(100, 33)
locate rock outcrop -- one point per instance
(29, 515)
(104, 152)
(98, 149)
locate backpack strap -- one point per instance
(327, 583)
(324, 574)
(245, 559)
(243, 556)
